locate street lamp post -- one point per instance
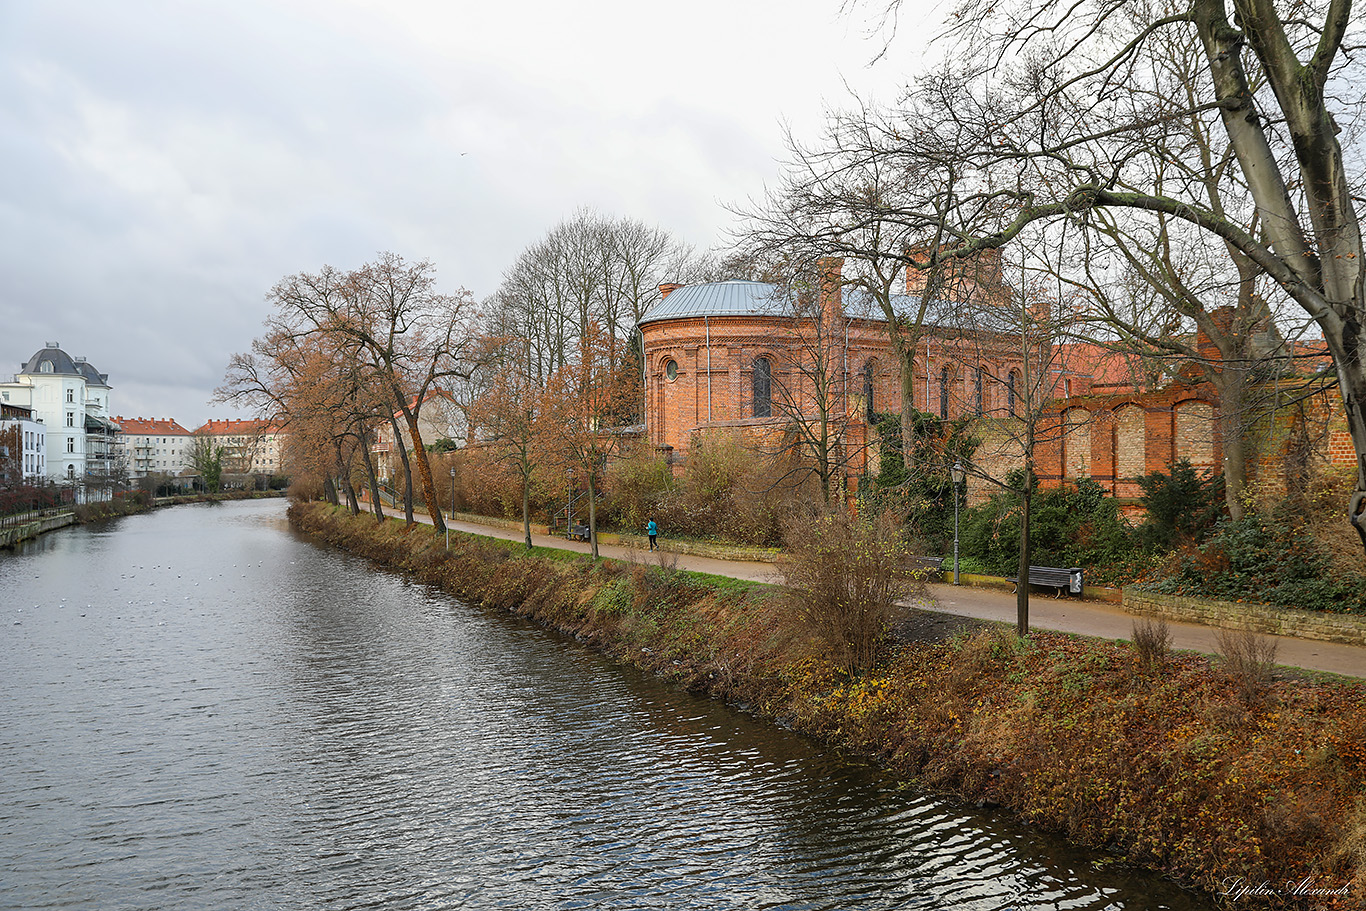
(959, 475)
(448, 527)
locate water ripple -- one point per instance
(204, 711)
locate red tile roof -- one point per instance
(431, 394)
(237, 425)
(151, 426)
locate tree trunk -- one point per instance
(592, 514)
(908, 408)
(526, 507)
(1352, 382)
(1232, 388)
(402, 448)
(823, 467)
(1022, 569)
(371, 480)
(352, 502)
(329, 491)
(424, 470)
(904, 343)
(344, 472)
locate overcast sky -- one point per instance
(165, 163)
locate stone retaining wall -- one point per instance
(513, 524)
(1263, 618)
(12, 535)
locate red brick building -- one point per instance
(750, 357)
(738, 356)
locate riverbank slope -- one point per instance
(1211, 772)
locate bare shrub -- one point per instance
(632, 489)
(1249, 660)
(1152, 642)
(727, 491)
(1327, 487)
(1350, 850)
(667, 561)
(845, 575)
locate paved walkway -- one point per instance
(1088, 618)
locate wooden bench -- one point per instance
(930, 567)
(579, 532)
(1067, 580)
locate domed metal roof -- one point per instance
(746, 298)
(63, 363)
(728, 298)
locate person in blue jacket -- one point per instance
(651, 529)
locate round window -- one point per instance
(671, 370)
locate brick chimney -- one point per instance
(1223, 321)
(832, 291)
(981, 275)
(668, 288)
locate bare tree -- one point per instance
(317, 387)
(506, 413)
(579, 421)
(1049, 128)
(807, 386)
(587, 270)
(847, 197)
(414, 335)
(1157, 286)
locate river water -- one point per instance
(203, 710)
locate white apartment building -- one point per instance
(154, 446)
(30, 453)
(249, 446)
(71, 399)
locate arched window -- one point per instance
(1131, 456)
(763, 388)
(1011, 382)
(870, 390)
(1076, 443)
(944, 378)
(1195, 431)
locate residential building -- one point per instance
(439, 418)
(154, 446)
(249, 446)
(71, 399)
(25, 440)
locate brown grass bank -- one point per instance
(1223, 778)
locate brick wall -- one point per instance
(713, 373)
(1110, 438)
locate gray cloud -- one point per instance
(167, 162)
